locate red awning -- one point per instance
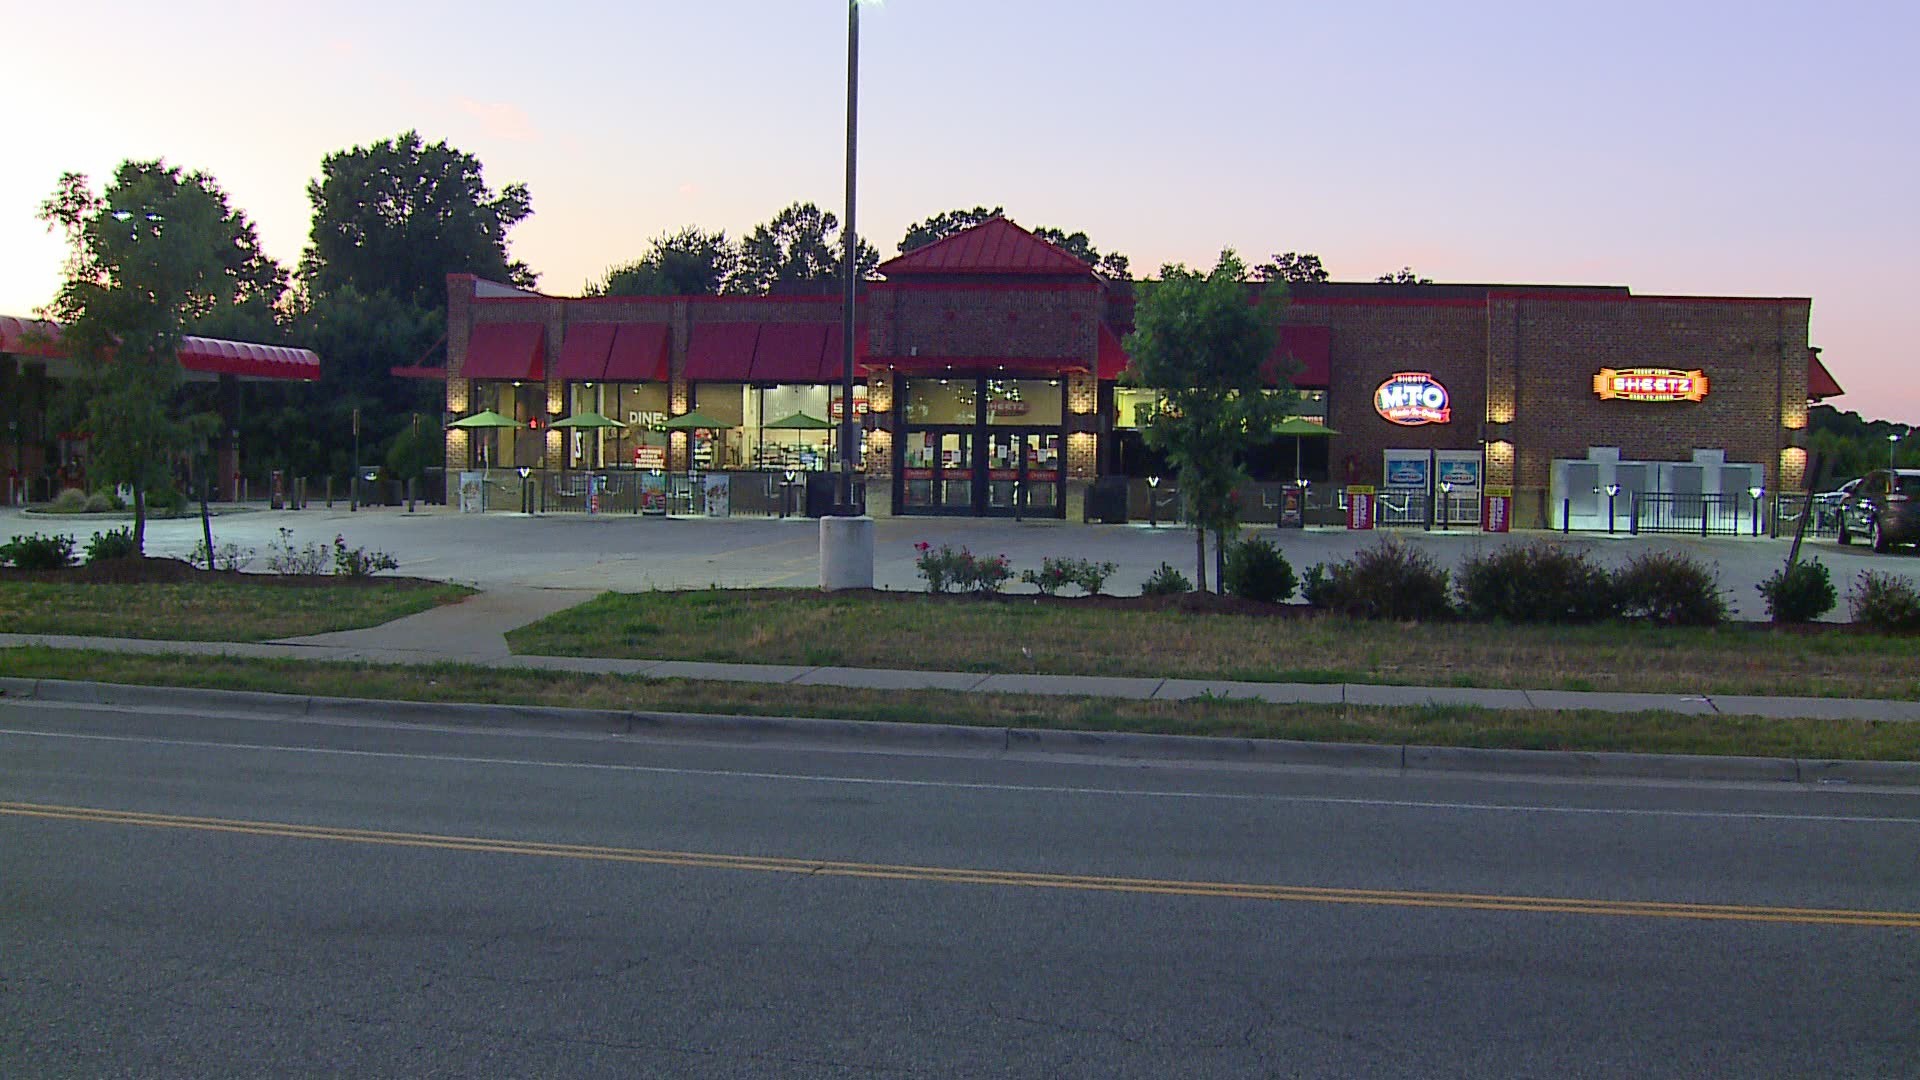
(789, 352)
(583, 352)
(505, 351)
(1043, 366)
(722, 352)
(833, 358)
(1311, 348)
(1113, 356)
(14, 335)
(639, 353)
(1820, 382)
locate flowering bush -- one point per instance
(359, 562)
(944, 568)
(1056, 574)
(284, 558)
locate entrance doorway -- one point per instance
(981, 447)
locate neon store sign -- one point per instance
(1412, 398)
(1650, 384)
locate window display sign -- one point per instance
(1461, 471)
(1412, 398)
(1360, 506)
(1650, 384)
(717, 488)
(1406, 469)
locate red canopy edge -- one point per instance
(506, 351)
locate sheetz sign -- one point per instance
(1412, 398)
(1650, 384)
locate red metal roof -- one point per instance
(789, 352)
(639, 353)
(505, 351)
(995, 246)
(722, 352)
(1820, 382)
(583, 351)
(215, 356)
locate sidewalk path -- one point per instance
(473, 632)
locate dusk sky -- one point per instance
(1708, 148)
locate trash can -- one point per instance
(1107, 501)
(823, 493)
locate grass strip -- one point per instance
(1661, 733)
(1022, 634)
(236, 610)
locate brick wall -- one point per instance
(1026, 320)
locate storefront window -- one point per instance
(1134, 407)
(804, 419)
(642, 407)
(1024, 402)
(506, 448)
(940, 401)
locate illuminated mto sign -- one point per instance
(1650, 384)
(1412, 398)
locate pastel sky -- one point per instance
(1732, 148)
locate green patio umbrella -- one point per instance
(694, 419)
(799, 422)
(588, 420)
(1299, 427)
(486, 419)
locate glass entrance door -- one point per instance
(937, 472)
(1023, 474)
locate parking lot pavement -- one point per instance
(573, 551)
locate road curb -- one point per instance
(948, 737)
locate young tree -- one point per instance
(400, 215)
(1204, 344)
(158, 250)
(798, 251)
(687, 263)
(1292, 266)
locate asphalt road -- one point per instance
(575, 551)
(188, 895)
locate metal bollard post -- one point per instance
(1566, 516)
(410, 494)
(329, 491)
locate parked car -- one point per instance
(1883, 506)
(1826, 505)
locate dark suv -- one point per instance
(1885, 506)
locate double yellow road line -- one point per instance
(1907, 920)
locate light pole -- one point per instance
(1153, 502)
(849, 268)
(1754, 493)
(1446, 492)
(1893, 443)
(1612, 491)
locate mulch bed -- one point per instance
(141, 570)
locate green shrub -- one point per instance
(112, 544)
(1166, 581)
(1799, 592)
(99, 503)
(945, 568)
(1537, 582)
(165, 502)
(1390, 580)
(1256, 570)
(284, 558)
(359, 562)
(38, 552)
(69, 501)
(1053, 575)
(1316, 586)
(1885, 602)
(1092, 576)
(1669, 588)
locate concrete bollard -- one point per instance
(846, 553)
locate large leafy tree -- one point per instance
(945, 224)
(159, 251)
(798, 251)
(1292, 266)
(1112, 264)
(400, 215)
(686, 263)
(1205, 347)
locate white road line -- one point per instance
(960, 785)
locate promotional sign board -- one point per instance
(1412, 398)
(1496, 513)
(718, 489)
(473, 492)
(653, 493)
(1650, 384)
(1291, 511)
(1360, 506)
(1407, 469)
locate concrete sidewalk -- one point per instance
(473, 632)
